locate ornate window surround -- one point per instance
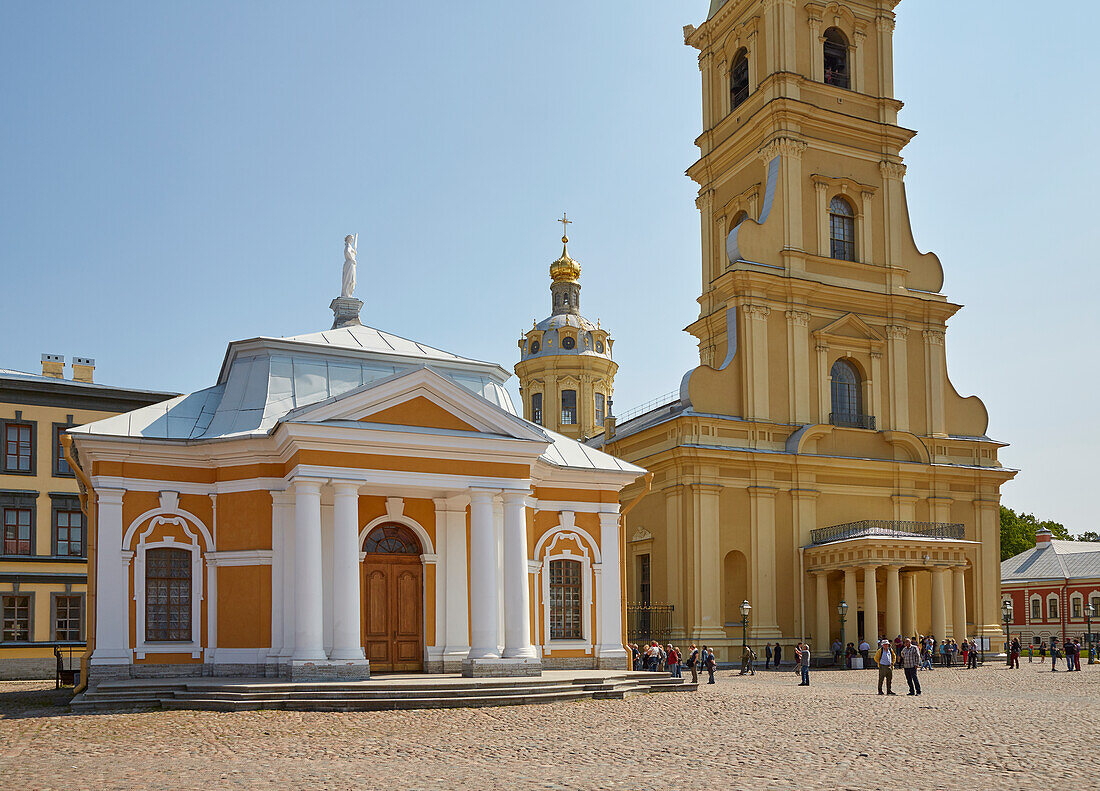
(566, 530)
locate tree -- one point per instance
(1018, 532)
(1089, 535)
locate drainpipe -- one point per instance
(87, 505)
(622, 554)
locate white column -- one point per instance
(909, 604)
(939, 612)
(281, 509)
(498, 537)
(893, 603)
(112, 613)
(870, 604)
(346, 623)
(484, 581)
(517, 594)
(309, 612)
(610, 624)
(821, 636)
(851, 596)
(959, 601)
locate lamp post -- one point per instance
(746, 608)
(1090, 610)
(1006, 616)
(842, 611)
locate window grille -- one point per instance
(391, 539)
(69, 533)
(17, 619)
(842, 230)
(565, 600)
(739, 79)
(536, 408)
(168, 595)
(17, 447)
(568, 407)
(68, 611)
(17, 531)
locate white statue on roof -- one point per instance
(351, 244)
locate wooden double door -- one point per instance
(393, 612)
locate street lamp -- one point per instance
(1090, 611)
(746, 608)
(842, 611)
(1006, 616)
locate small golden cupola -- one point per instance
(566, 372)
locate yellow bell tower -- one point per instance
(566, 374)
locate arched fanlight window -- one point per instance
(847, 395)
(836, 59)
(391, 539)
(739, 78)
(842, 229)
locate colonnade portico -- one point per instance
(922, 583)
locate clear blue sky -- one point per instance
(178, 175)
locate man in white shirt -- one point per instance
(865, 651)
(884, 658)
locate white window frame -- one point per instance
(1053, 598)
(590, 559)
(1035, 599)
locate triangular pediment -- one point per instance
(422, 399)
(849, 327)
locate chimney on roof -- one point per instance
(53, 366)
(1042, 538)
(82, 369)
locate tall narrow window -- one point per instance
(739, 79)
(1036, 610)
(61, 466)
(68, 614)
(168, 595)
(69, 533)
(1075, 607)
(842, 229)
(565, 600)
(1052, 608)
(836, 59)
(568, 407)
(847, 396)
(17, 531)
(599, 409)
(18, 447)
(643, 578)
(536, 408)
(17, 619)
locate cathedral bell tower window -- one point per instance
(536, 408)
(842, 229)
(847, 398)
(836, 59)
(599, 409)
(568, 407)
(739, 79)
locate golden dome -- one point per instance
(565, 269)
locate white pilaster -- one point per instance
(484, 580)
(609, 627)
(451, 521)
(112, 621)
(281, 514)
(517, 595)
(309, 613)
(346, 638)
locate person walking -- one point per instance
(1014, 654)
(672, 661)
(767, 656)
(803, 651)
(778, 654)
(884, 658)
(965, 649)
(1054, 654)
(693, 664)
(748, 656)
(865, 651)
(1043, 652)
(837, 647)
(1030, 653)
(710, 664)
(910, 661)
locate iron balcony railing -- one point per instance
(852, 420)
(645, 622)
(889, 529)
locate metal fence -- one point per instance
(646, 622)
(889, 529)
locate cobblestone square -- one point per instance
(989, 728)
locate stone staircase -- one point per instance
(377, 694)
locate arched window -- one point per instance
(1052, 608)
(847, 398)
(568, 407)
(1036, 608)
(1075, 609)
(599, 409)
(739, 78)
(842, 229)
(565, 600)
(536, 408)
(836, 59)
(168, 595)
(391, 539)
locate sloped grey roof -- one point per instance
(370, 339)
(23, 376)
(566, 452)
(1054, 560)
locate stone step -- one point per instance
(375, 704)
(365, 694)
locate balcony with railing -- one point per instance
(852, 420)
(888, 529)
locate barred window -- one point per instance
(536, 408)
(69, 533)
(168, 595)
(836, 59)
(68, 611)
(739, 79)
(17, 531)
(17, 619)
(643, 578)
(392, 539)
(565, 600)
(842, 229)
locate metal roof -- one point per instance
(1053, 560)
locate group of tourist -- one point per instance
(656, 658)
(1071, 651)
